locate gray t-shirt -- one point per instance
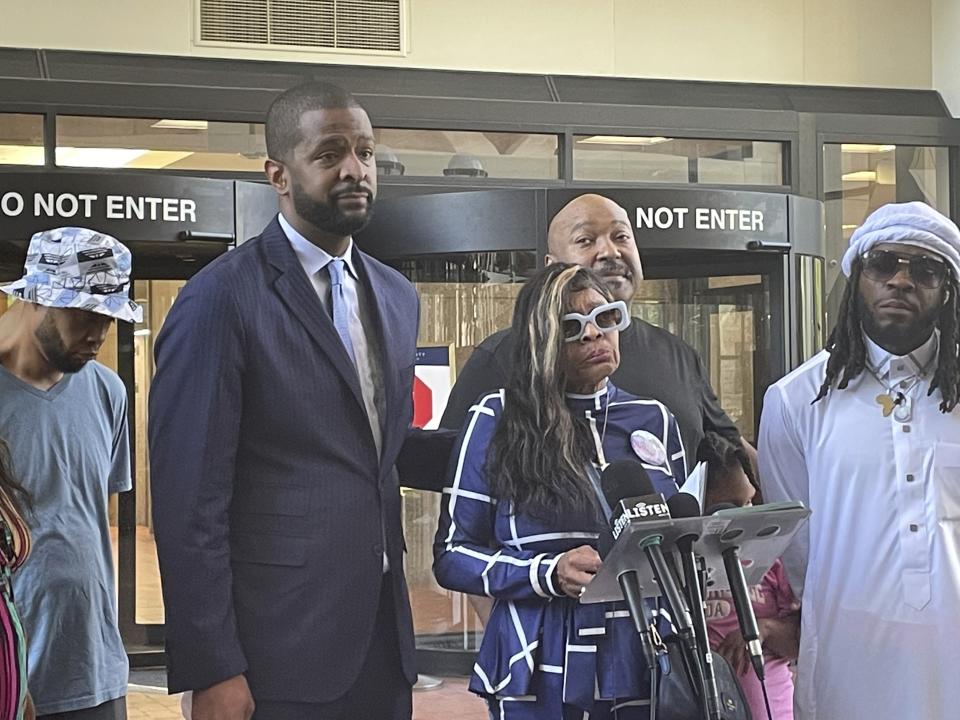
(70, 449)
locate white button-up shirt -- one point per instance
(878, 567)
(314, 261)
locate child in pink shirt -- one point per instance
(777, 609)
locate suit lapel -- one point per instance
(298, 294)
(389, 322)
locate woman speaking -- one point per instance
(520, 518)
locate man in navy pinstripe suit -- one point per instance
(279, 412)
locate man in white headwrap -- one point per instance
(867, 434)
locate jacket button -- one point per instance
(378, 549)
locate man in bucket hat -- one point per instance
(867, 434)
(64, 416)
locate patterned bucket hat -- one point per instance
(74, 267)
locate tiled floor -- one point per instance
(451, 700)
(152, 706)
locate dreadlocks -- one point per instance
(848, 353)
(845, 345)
(947, 374)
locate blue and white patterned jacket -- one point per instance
(482, 548)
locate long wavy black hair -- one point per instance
(15, 502)
(848, 354)
(539, 449)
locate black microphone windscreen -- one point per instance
(720, 506)
(624, 478)
(683, 505)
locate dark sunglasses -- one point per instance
(606, 318)
(881, 265)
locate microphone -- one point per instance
(653, 506)
(741, 599)
(684, 505)
(647, 505)
(617, 483)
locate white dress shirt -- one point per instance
(314, 261)
(878, 567)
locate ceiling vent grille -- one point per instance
(371, 25)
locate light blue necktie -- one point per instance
(341, 307)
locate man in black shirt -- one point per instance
(595, 232)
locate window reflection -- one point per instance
(159, 143)
(21, 139)
(176, 144)
(810, 311)
(724, 318)
(461, 153)
(656, 159)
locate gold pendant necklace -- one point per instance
(894, 401)
(888, 403)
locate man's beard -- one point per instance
(53, 349)
(886, 335)
(327, 216)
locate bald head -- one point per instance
(595, 232)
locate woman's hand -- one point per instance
(576, 569)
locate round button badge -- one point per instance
(648, 447)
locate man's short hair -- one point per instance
(283, 116)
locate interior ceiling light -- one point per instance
(21, 155)
(866, 148)
(849, 227)
(181, 124)
(97, 157)
(622, 140)
(860, 176)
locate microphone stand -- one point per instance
(710, 697)
(633, 595)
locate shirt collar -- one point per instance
(592, 401)
(311, 257)
(902, 366)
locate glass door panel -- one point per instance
(157, 297)
(465, 298)
(724, 318)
